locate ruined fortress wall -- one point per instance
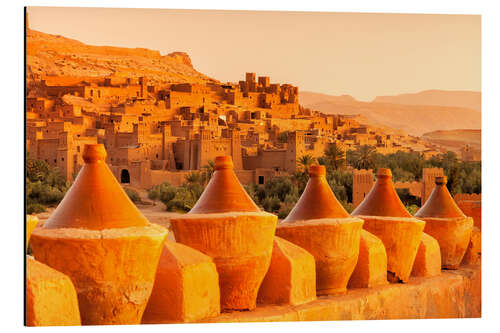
(470, 204)
(316, 148)
(100, 92)
(428, 179)
(250, 100)
(295, 150)
(266, 159)
(194, 154)
(284, 111)
(175, 178)
(290, 124)
(47, 151)
(414, 188)
(210, 149)
(141, 153)
(362, 184)
(54, 91)
(151, 178)
(179, 99)
(245, 176)
(467, 197)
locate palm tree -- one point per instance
(305, 161)
(194, 177)
(207, 171)
(335, 157)
(364, 157)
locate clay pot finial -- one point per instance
(96, 201)
(382, 200)
(318, 201)
(94, 153)
(384, 173)
(317, 171)
(224, 192)
(441, 180)
(223, 162)
(440, 203)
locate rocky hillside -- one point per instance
(455, 139)
(53, 55)
(457, 98)
(412, 119)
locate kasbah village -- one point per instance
(122, 247)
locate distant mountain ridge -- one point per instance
(415, 119)
(455, 98)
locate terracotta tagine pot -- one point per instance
(103, 243)
(386, 217)
(319, 224)
(447, 224)
(227, 225)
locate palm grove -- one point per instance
(46, 187)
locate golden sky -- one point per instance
(360, 54)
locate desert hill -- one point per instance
(413, 119)
(52, 55)
(457, 98)
(308, 98)
(455, 139)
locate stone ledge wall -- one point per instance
(453, 294)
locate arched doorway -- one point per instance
(125, 177)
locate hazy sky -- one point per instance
(364, 55)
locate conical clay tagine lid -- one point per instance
(382, 200)
(440, 203)
(224, 192)
(96, 201)
(318, 201)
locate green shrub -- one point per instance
(133, 195)
(271, 204)
(285, 209)
(406, 198)
(185, 198)
(177, 199)
(45, 186)
(412, 209)
(349, 207)
(34, 208)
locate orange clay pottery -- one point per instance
(186, 288)
(386, 217)
(473, 252)
(103, 243)
(319, 224)
(428, 259)
(447, 224)
(31, 222)
(50, 297)
(227, 225)
(371, 269)
(291, 277)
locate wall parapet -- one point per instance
(452, 294)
